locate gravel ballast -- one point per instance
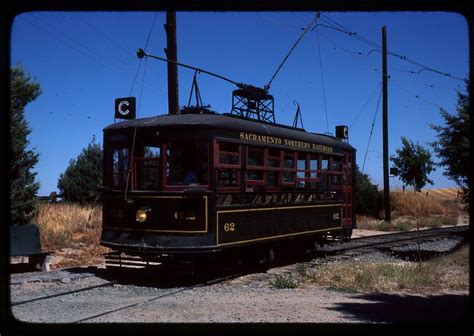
(248, 298)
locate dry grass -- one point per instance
(72, 228)
(421, 204)
(411, 210)
(442, 273)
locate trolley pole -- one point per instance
(386, 183)
(172, 55)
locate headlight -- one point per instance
(141, 215)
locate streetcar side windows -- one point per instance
(274, 159)
(256, 158)
(313, 166)
(289, 168)
(273, 168)
(227, 178)
(229, 154)
(227, 165)
(187, 163)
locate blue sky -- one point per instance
(84, 60)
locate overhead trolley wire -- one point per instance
(366, 103)
(266, 87)
(72, 40)
(116, 44)
(130, 167)
(416, 95)
(146, 44)
(372, 129)
(391, 53)
(322, 81)
(81, 52)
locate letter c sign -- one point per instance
(125, 108)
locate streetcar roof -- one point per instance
(230, 122)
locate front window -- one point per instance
(117, 158)
(119, 167)
(187, 163)
(147, 169)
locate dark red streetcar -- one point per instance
(194, 185)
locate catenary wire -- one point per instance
(322, 81)
(372, 129)
(366, 103)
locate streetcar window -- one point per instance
(288, 177)
(325, 163)
(336, 164)
(228, 153)
(301, 167)
(289, 161)
(324, 181)
(254, 175)
(272, 179)
(289, 166)
(187, 163)
(119, 167)
(227, 178)
(151, 152)
(274, 158)
(256, 157)
(313, 165)
(336, 180)
(147, 169)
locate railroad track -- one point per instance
(170, 292)
(393, 239)
(326, 254)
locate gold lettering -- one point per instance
(287, 142)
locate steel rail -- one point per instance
(64, 293)
(206, 283)
(393, 238)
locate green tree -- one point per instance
(414, 164)
(83, 177)
(23, 187)
(452, 146)
(369, 199)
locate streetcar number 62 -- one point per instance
(229, 227)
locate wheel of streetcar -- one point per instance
(346, 234)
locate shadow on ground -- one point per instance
(407, 308)
(164, 277)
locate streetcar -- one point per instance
(201, 184)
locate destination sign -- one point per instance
(284, 142)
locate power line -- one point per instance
(391, 53)
(127, 52)
(417, 96)
(322, 81)
(72, 40)
(90, 57)
(277, 22)
(366, 103)
(372, 130)
(332, 24)
(266, 87)
(140, 62)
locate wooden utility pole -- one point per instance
(172, 55)
(386, 183)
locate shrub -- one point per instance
(284, 281)
(369, 200)
(83, 177)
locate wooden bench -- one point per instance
(25, 242)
